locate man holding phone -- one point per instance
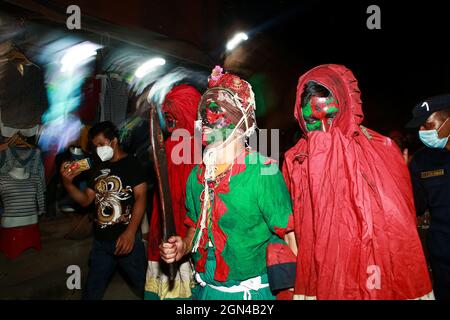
(119, 190)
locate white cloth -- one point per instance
(8, 132)
(245, 286)
(15, 222)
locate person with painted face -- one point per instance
(352, 200)
(119, 190)
(430, 172)
(237, 208)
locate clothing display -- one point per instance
(88, 109)
(23, 200)
(23, 97)
(114, 96)
(354, 213)
(28, 158)
(14, 241)
(9, 132)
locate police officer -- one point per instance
(430, 171)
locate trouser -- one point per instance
(439, 248)
(103, 263)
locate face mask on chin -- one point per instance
(105, 153)
(431, 139)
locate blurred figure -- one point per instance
(430, 170)
(401, 140)
(180, 112)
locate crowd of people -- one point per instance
(338, 219)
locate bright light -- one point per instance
(59, 133)
(237, 39)
(149, 66)
(78, 55)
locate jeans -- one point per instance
(103, 263)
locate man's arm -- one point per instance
(83, 198)
(125, 242)
(291, 241)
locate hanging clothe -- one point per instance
(114, 96)
(28, 158)
(88, 109)
(23, 200)
(23, 96)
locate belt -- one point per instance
(245, 286)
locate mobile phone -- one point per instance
(79, 165)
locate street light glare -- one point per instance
(236, 40)
(78, 55)
(149, 66)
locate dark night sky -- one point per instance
(396, 66)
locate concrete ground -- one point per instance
(42, 275)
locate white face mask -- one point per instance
(105, 153)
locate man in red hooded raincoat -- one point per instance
(180, 111)
(352, 198)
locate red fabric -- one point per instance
(220, 238)
(241, 87)
(181, 102)
(353, 205)
(279, 253)
(90, 102)
(281, 232)
(285, 295)
(14, 241)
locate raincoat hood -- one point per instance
(344, 87)
(182, 102)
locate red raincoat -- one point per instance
(353, 205)
(181, 102)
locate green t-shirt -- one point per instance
(250, 208)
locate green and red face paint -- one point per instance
(319, 113)
(215, 123)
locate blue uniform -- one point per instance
(430, 171)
